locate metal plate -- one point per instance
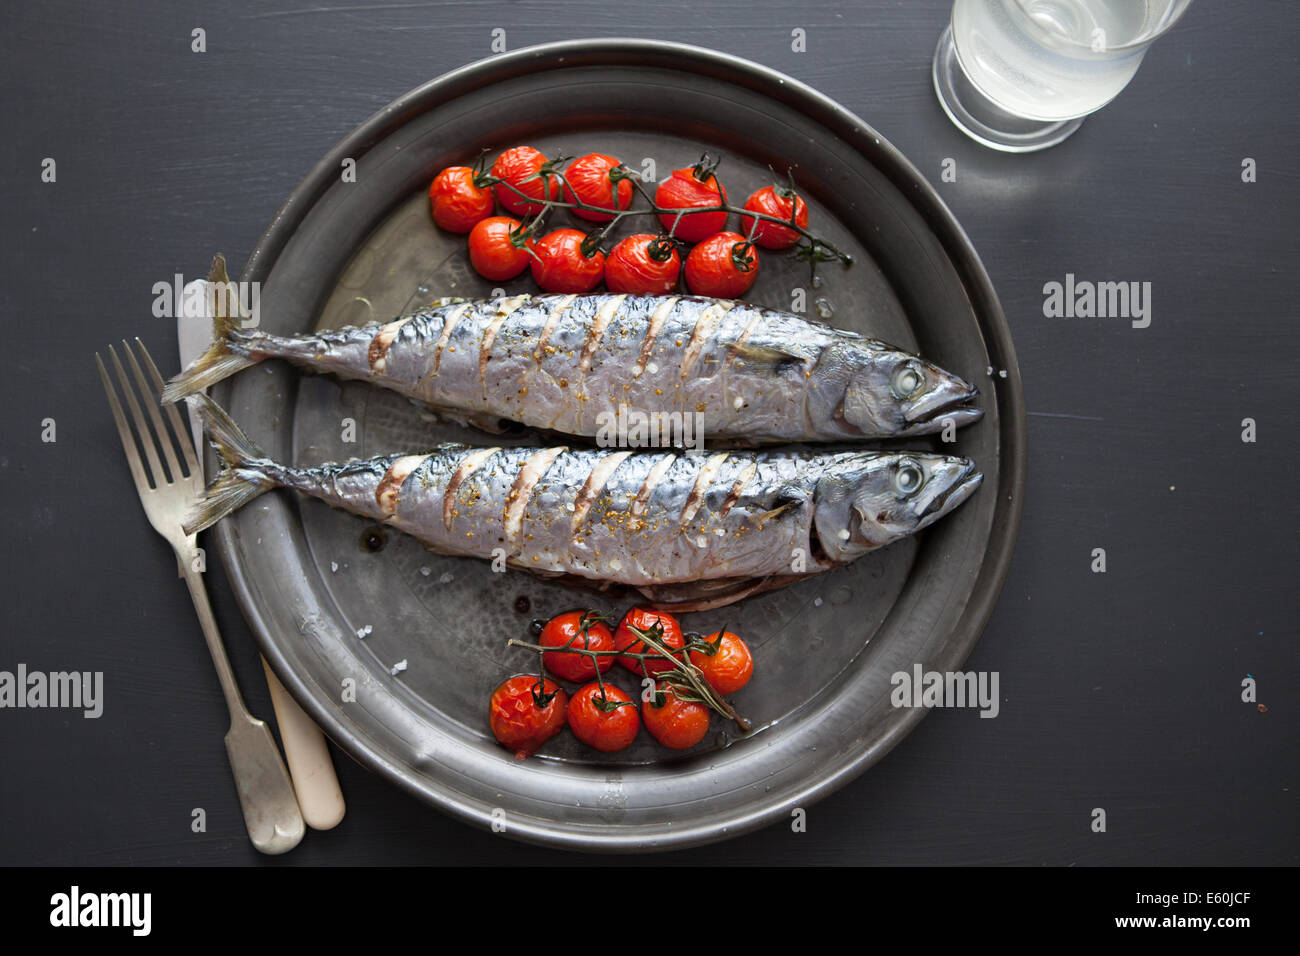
(349, 252)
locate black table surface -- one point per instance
(1121, 690)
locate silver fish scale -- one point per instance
(720, 532)
(546, 539)
(350, 485)
(559, 362)
(682, 529)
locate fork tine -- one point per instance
(150, 400)
(124, 430)
(182, 434)
(141, 426)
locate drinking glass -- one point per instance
(1020, 75)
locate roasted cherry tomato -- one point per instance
(660, 623)
(607, 721)
(457, 204)
(524, 716)
(633, 267)
(497, 250)
(675, 723)
(729, 667)
(521, 167)
(723, 266)
(779, 201)
(576, 629)
(589, 181)
(559, 266)
(690, 188)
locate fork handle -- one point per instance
(266, 796)
(211, 635)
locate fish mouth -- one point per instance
(943, 405)
(962, 488)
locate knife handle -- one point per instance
(314, 780)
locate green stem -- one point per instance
(819, 250)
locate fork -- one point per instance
(266, 795)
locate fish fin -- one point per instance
(492, 424)
(707, 595)
(223, 358)
(765, 355)
(242, 477)
(779, 510)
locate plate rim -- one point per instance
(956, 245)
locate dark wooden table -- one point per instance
(1121, 690)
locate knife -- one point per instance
(314, 781)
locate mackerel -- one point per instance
(572, 363)
(688, 530)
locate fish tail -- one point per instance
(243, 474)
(225, 356)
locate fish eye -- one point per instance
(908, 380)
(908, 478)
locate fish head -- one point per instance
(897, 393)
(869, 500)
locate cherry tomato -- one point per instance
(730, 667)
(656, 623)
(521, 167)
(609, 723)
(576, 629)
(495, 249)
(456, 202)
(677, 724)
(520, 720)
(633, 268)
(588, 179)
(684, 189)
(560, 266)
(713, 268)
(777, 201)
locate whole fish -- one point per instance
(571, 363)
(694, 531)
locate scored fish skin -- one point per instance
(558, 362)
(635, 518)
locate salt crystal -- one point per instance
(398, 667)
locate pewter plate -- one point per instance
(353, 252)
